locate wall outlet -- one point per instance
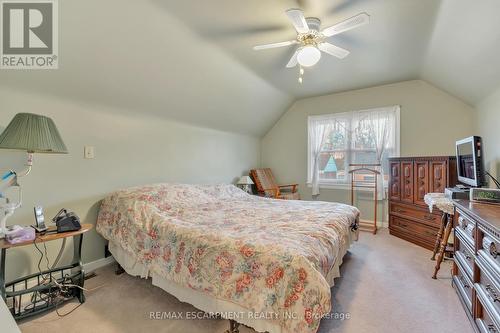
(88, 152)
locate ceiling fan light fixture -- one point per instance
(308, 56)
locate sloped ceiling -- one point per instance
(137, 57)
(192, 60)
(464, 51)
(390, 49)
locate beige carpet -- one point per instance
(385, 287)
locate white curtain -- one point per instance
(382, 123)
(318, 131)
(373, 129)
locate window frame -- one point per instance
(346, 184)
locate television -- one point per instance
(470, 161)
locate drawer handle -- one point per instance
(399, 210)
(492, 328)
(490, 246)
(492, 293)
(462, 222)
(470, 229)
(464, 284)
(493, 250)
(466, 254)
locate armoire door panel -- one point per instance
(395, 182)
(407, 181)
(438, 176)
(421, 181)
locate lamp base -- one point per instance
(8, 210)
(246, 188)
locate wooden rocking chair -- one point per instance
(266, 185)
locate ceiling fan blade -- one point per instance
(293, 60)
(274, 45)
(333, 50)
(351, 23)
(298, 20)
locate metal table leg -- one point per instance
(2, 274)
(77, 259)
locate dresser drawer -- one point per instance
(468, 229)
(489, 249)
(489, 320)
(421, 215)
(464, 286)
(464, 254)
(488, 283)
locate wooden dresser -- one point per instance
(411, 178)
(476, 267)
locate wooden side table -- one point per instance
(446, 206)
(45, 282)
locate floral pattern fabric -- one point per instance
(266, 255)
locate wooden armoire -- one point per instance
(411, 178)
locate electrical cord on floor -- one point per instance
(62, 288)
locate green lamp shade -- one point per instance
(32, 133)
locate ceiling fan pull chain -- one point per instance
(301, 74)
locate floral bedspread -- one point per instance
(268, 256)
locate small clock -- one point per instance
(485, 195)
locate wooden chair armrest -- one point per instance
(293, 186)
(275, 189)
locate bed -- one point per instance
(265, 263)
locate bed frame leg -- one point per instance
(119, 269)
(233, 327)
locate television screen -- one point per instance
(465, 155)
(470, 161)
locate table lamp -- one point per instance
(245, 183)
(31, 133)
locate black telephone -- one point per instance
(67, 221)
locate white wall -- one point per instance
(131, 149)
(431, 121)
(488, 125)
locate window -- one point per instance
(336, 140)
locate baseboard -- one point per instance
(93, 265)
(380, 224)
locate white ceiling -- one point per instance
(464, 52)
(391, 48)
(193, 61)
(443, 42)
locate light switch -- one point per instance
(88, 152)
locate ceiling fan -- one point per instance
(311, 39)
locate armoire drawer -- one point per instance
(421, 214)
(417, 229)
